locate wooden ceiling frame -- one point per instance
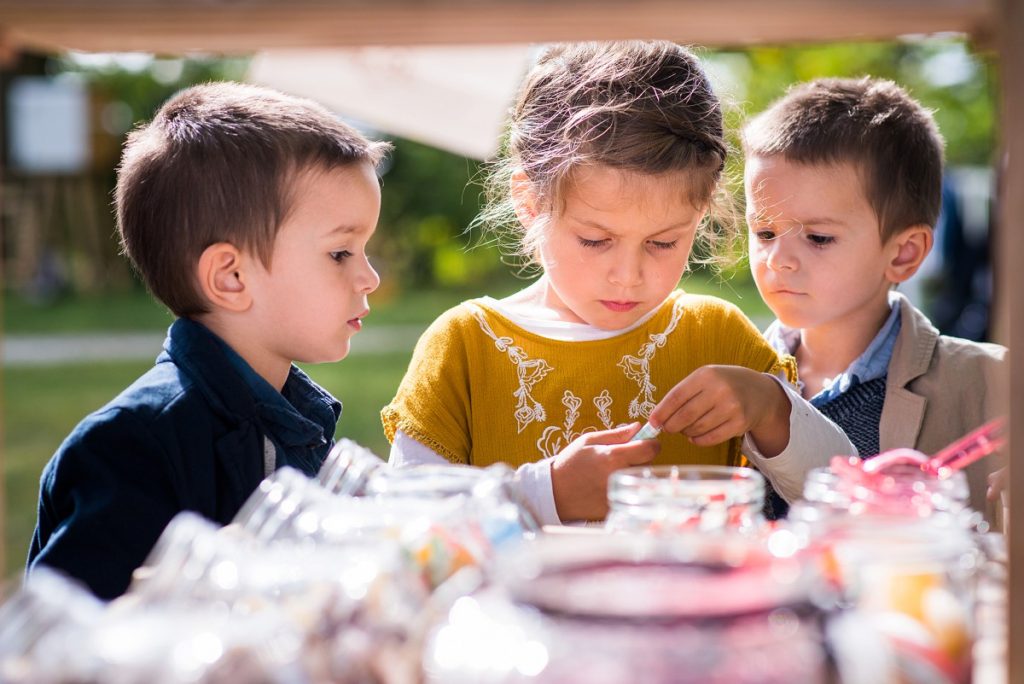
(238, 26)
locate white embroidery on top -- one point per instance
(603, 403)
(638, 368)
(555, 438)
(530, 372)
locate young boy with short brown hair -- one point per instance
(843, 189)
(247, 213)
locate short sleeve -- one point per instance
(744, 345)
(432, 404)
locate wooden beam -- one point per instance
(247, 26)
(1010, 295)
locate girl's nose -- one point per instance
(626, 270)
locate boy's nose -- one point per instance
(778, 256)
(369, 280)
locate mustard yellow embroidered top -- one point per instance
(480, 389)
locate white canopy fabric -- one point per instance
(452, 97)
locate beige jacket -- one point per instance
(940, 388)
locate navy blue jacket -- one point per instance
(186, 436)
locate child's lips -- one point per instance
(357, 322)
(619, 307)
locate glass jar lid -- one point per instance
(694, 485)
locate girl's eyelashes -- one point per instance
(765, 235)
(340, 255)
(657, 244)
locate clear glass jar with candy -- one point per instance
(898, 490)
(673, 499)
(619, 608)
(353, 470)
(912, 581)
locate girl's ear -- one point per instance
(222, 277)
(906, 252)
(524, 198)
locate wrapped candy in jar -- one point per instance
(349, 604)
(912, 581)
(438, 535)
(671, 499)
(599, 609)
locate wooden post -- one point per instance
(5, 61)
(1010, 286)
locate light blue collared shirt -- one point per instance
(873, 363)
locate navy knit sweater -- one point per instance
(858, 412)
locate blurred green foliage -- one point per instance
(944, 74)
(430, 196)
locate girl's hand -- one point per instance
(716, 403)
(579, 473)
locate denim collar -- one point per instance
(871, 364)
(299, 420)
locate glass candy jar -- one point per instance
(609, 609)
(38, 625)
(438, 535)
(347, 605)
(348, 468)
(899, 491)
(492, 488)
(912, 582)
(353, 470)
(670, 499)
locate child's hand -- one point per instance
(998, 481)
(579, 473)
(715, 403)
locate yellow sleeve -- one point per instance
(746, 346)
(432, 403)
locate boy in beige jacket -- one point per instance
(843, 188)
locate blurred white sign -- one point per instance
(47, 125)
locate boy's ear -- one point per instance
(524, 198)
(221, 274)
(907, 251)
